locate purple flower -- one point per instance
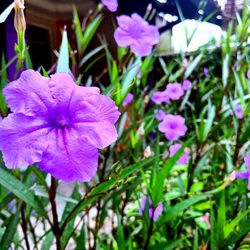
(136, 33)
(206, 71)
(159, 114)
(57, 124)
(186, 85)
(128, 99)
(238, 111)
(153, 213)
(173, 126)
(248, 74)
(160, 97)
(184, 157)
(245, 175)
(112, 5)
(175, 91)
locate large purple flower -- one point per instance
(153, 213)
(112, 5)
(175, 91)
(184, 157)
(245, 175)
(136, 33)
(173, 126)
(56, 124)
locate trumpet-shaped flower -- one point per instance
(112, 5)
(173, 126)
(136, 33)
(153, 213)
(57, 124)
(245, 175)
(174, 91)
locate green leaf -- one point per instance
(90, 31)
(10, 231)
(48, 241)
(159, 183)
(192, 66)
(78, 29)
(63, 60)
(229, 228)
(19, 190)
(91, 54)
(183, 205)
(6, 12)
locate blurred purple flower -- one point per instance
(173, 126)
(245, 175)
(128, 99)
(153, 213)
(160, 97)
(159, 114)
(112, 5)
(57, 124)
(248, 74)
(238, 111)
(184, 157)
(206, 71)
(136, 33)
(186, 85)
(174, 91)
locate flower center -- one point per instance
(173, 125)
(135, 30)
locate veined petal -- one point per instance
(69, 157)
(124, 21)
(95, 118)
(140, 50)
(29, 94)
(23, 139)
(122, 37)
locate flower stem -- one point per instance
(150, 232)
(56, 227)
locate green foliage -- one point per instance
(204, 207)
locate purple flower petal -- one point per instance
(69, 157)
(112, 5)
(158, 211)
(184, 157)
(140, 50)
(29, 94)
(247, 162)
(248, 74)
(128, 99)
(173, 126)
(159, 114)
(23, 140)
(136, 33)
(238, 111)
(186, 85)
(95, 119)
(175, 91)
(122, 37)
(242, 175)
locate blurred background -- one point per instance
(184, 25)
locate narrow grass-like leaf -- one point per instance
(19, 189)
(6, 12)
(63, 60)
(10, 231)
